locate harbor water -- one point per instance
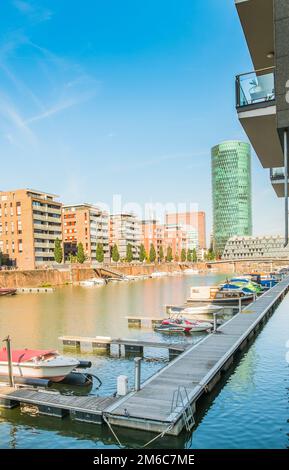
(249, 408)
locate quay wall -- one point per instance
(74, 274)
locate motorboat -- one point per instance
(6, 291)
(96, 281)
(192, 311)
(242, 284)
(159, 274)
(216, 296)
(186, 326)
(190, 271)
(37, 363)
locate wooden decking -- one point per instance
(198, 370)
(81, 408)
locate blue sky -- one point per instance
(122, 97)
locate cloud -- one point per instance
(33, 11)
(13, 117)
(61, 106)
(155, 161)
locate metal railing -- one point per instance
(255, 87)
(277, 173)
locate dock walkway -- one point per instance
(197, 370)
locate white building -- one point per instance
(256, 247)
(125, 229)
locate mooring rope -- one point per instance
(110, 427)
(161, 435)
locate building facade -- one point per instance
(152, 233)
(194, 222)
(86, 224)
(231, 191)
(256, 247)
(30, 222)
(125, 229)
(262, 98)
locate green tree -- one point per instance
(189, 255)
(115, 254)
(80, 253)
(129, 253)
(183, 255)
(194, 255)
(161, 254)
(99, 253)
(58, 253)
(142, 253)
(169, 256)
(153, 254)
(211, 256)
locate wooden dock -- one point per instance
(168, 400)
(87, 409)
(131, 346)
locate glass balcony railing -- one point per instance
(255, 87)
(277, 174)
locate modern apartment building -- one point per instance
(86, 224)
(152, 233)
(262, 94)
(194, 222)
(30, 221)
(231, 189)
(256, 247)
(125, 229)
(176, 237)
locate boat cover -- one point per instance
(23, 355)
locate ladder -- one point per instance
(181, 403)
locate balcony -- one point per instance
(277, 177)
(255, 103)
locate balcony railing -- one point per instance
(277, 174)
(255, 87)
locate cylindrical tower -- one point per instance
(231, 185)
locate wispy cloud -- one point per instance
(61, 106)
(33, 11)
(13, 117)
(155, 161)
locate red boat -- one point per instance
(7, 291)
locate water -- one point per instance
(248, 410)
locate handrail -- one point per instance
(256, 71)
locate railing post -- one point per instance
(137, 373)
(215, 322)
(10, 363)
(286, 184)
(240, 304)
(237, 90)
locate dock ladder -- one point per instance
(181, 403)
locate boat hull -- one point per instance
(55, 374)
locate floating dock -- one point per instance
(167, 401)
(35, 290)
(131, 346)
(84, 409)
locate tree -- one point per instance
(189, 255)
(161, 254)
(58, 253)
(194, 255)
(211, 256)
(80, 253)
(129, 253)
(153, 254)
(115, 254)
(99, 253)
(169, 256)
(183, 255)
(142, 253)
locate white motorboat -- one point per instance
(37, 363)
(96, 281)
(159, 274)
(190, 271)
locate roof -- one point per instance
(23, 355)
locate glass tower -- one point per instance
(231, 185)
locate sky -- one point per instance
(101, 98)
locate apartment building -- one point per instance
(152, 233)
(125, 229)
(194, 221)
(262, 98)
(256, 247)
(30, 221)
(86, 224)
(176, 237)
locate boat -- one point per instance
(185, 325)
(93, 282)
(159, 274)
(37, 363)
(190, 271)
(243, 284)
(191, 311)
(214, 295)
(163, 328)
(5, 291)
